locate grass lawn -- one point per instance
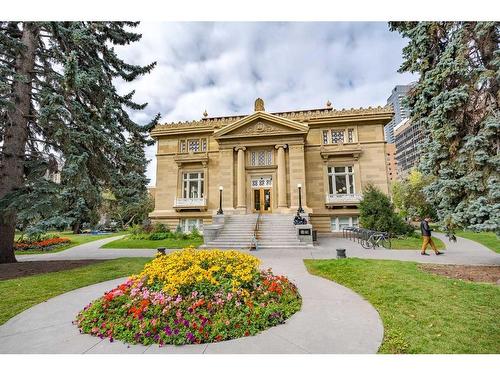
(488, 239)
(414, 243)
(76, 239)
(169, 243)
(421, 312)
(17, 295)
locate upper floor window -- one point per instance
(261, 158)
(192, 185)
(341, 180)
(336, 136)
(193, 145)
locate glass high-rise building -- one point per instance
(400, 111)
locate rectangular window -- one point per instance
(350, 135)
(182, 146)
(337, 136)
(341, 180)
(261, 158)
(187, 225)
(338, 223)
(325, 137)
(193, 185)
(204, 145)
(193, 145)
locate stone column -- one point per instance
(281, 176)
(240, 179)
(297, 173)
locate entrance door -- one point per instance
(262, 200)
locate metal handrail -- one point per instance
(255, 231)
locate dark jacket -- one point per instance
(424, 228)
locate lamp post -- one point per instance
(220, 212)
(300, 210)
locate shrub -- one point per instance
(157, 236)
(192, 296)
(377, 213)
(160, 228)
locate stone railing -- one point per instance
(343, 198)
(190, 202)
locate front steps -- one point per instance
(278, 231)
(237, 233)
(275, 231)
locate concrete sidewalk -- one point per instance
(333, 319)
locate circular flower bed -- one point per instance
(192, 296)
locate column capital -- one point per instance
(277, 147)
(238, 148)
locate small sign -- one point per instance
(304, 232)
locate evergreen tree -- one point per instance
(57, 98)
(376, 212)
(456, 102)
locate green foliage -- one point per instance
(78, 118)
(409, 196)
(377, 213)
(455, 101)
(160, 228)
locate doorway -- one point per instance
(262, 200)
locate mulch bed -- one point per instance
(485, 274)
(21, 269)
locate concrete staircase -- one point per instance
(275, 231)
(237, 233)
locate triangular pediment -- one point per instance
(261, 124)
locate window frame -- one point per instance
(332, 183)
(335, 222)
(200, 184)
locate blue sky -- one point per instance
(223, 67)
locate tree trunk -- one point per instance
(77, 227)
(16, 135)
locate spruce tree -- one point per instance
(58, 99)
(456, 102)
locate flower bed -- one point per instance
(192, 296)
(46, 244)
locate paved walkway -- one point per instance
(333, 319)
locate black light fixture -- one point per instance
(300, 210)
(220, 212)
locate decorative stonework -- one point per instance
(259, 105)
(300, 116)
(259, 128)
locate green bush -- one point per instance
(377, 213)
(160, 228)
(157, 236)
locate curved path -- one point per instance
(333, 319)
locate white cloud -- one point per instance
(223, 67)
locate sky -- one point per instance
(223, 67)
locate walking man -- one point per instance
(426, 235)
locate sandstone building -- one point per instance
(257, 163)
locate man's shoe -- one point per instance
(439, 253)
(424, 254)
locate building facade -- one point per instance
(392, 171)
(408, 136)
(400, 110)
(259, 163)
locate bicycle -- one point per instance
(377, 239)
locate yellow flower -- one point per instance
(185, 268)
